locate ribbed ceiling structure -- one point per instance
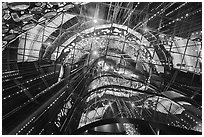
(102, 67)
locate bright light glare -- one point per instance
(132, 104)
(106, 67)
(95, 21)
(95, 53)
(146, 29)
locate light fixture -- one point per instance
(106, 67)
(132, 104)
(95, 21)
(146, 29)
(95, 53)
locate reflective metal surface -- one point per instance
(102, 68)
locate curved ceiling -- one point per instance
(66, 31)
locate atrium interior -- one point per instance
(101, 68)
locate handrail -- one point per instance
(135, 121)
(38, 111)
